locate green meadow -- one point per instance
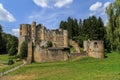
(84, 68)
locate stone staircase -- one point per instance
(75, 45)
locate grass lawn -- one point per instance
(4, 57)
(85, 68)
(3, 63)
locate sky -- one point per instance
(47, 12)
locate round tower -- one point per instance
(96, 49)
(65, 35)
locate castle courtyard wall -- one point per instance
(49, 55)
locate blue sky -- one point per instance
(48, 12)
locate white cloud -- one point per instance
(95, 6)
(5, 15)
(15, 32)
(42, 3)
(61, 3)
(52, 3)
(106, 4)
(98, 9)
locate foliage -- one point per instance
(10, 62)
(8, 43)
(49, 44)
(23, 50)
(113, 26)
(1, 40)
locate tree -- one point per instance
(12, 45)
(92, 28)
(1, 41)
(23, 50)
(113, 26)
(12, 51)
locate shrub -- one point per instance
(10, 62)
(49, 44)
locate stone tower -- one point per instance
(33, 34)
(94, 48)
(24, 34)
(65, 34)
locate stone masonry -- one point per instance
(94, 48)
(37, 38)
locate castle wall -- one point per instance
(49, 55)
(65, 32)
(30, 53)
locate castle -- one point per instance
(38, 37)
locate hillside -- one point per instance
(82, 69)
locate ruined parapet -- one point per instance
(65, 35)
(94, 48)
(86, 46)
(75, 46)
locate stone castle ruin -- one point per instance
(94, 48)
(38, 37)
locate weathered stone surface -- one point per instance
(37, 38)
(94, 48)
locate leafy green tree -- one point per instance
(113, 26)
(2, 47)
(12, 51)
(23, 50)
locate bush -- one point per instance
(10, 62)
(49, 44)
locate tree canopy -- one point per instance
(113, 26)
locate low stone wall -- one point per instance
(50, 54)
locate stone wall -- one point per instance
(94, 48)
(50, 55)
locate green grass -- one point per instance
(4, 60)
(4, 57)
(85, 68)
